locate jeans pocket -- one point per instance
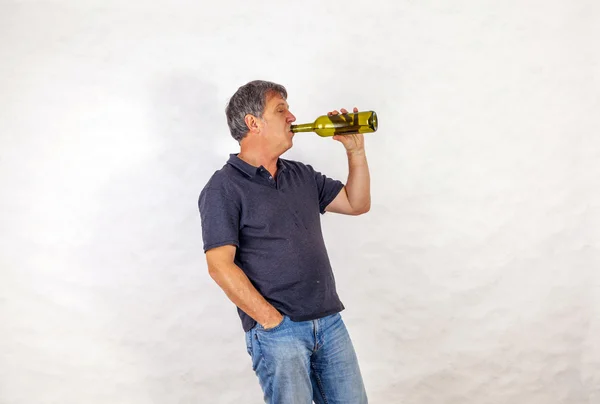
(277, 327)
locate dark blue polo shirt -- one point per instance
(276, 226)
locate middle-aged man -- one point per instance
(261, 229)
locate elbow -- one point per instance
(367, 208)
(214, 271)
(362, 210)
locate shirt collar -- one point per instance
(249, 169)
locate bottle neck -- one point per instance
(304, 127)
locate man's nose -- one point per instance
(291, 117)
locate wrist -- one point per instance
(355, 152)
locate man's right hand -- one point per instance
(272, 323)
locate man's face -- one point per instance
(276, 121)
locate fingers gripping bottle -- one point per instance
(341, 124)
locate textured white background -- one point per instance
(473, 280)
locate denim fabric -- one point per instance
(298, 362)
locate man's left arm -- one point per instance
(355, 196)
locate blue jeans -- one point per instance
(298, 362)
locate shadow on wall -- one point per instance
(160, 316)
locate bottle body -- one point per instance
(341, 124)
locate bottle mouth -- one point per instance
(373, 121)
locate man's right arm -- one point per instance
(238, 287)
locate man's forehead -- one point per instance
(276, 99)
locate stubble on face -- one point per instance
(276, 120)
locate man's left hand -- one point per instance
(353, 142)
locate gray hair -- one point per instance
(249, 99)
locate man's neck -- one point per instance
(258, 159)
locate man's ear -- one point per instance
(252, 123)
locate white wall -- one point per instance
(473, 280)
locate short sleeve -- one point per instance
(328, 189)
(220, 218)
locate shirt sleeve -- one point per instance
(220, 218)
(328, 189)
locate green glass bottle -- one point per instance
(341, 124)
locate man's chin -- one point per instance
(287, 146)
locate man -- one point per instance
(262, 237)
